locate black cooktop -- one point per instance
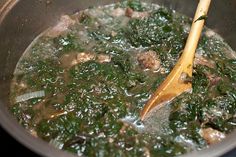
(12, 148)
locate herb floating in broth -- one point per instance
(203, 17)
(96, 69)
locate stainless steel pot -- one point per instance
(22, 20)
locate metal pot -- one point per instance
(22, 20)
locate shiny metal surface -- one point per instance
(22, 20)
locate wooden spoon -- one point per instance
(179, 79)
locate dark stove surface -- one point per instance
(10, 147)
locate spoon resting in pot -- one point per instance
(179, 79)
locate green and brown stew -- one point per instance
(82, 83)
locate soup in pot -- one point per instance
(81, 84)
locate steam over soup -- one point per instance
(82, 83)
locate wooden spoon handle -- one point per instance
(196, 29)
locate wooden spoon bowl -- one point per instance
(179, 79)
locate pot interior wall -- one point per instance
(27, 18)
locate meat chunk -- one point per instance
(118, 12)
(213, 78)
(200, 60)
(61, 26)
(212, 136)
(85, 57)
(71, 59)
(149, 60)
(129, 12)
(135, 14)
(68, 60)
(102, 58)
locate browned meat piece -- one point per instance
(135, 14)
(213, 78)
(71, 59)
(68, 60)
(129, 12)
(149, 60)
(200, 60)
(61, 26)
(212, 136)
(102, 58)
(118, 12)
(85, 57)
